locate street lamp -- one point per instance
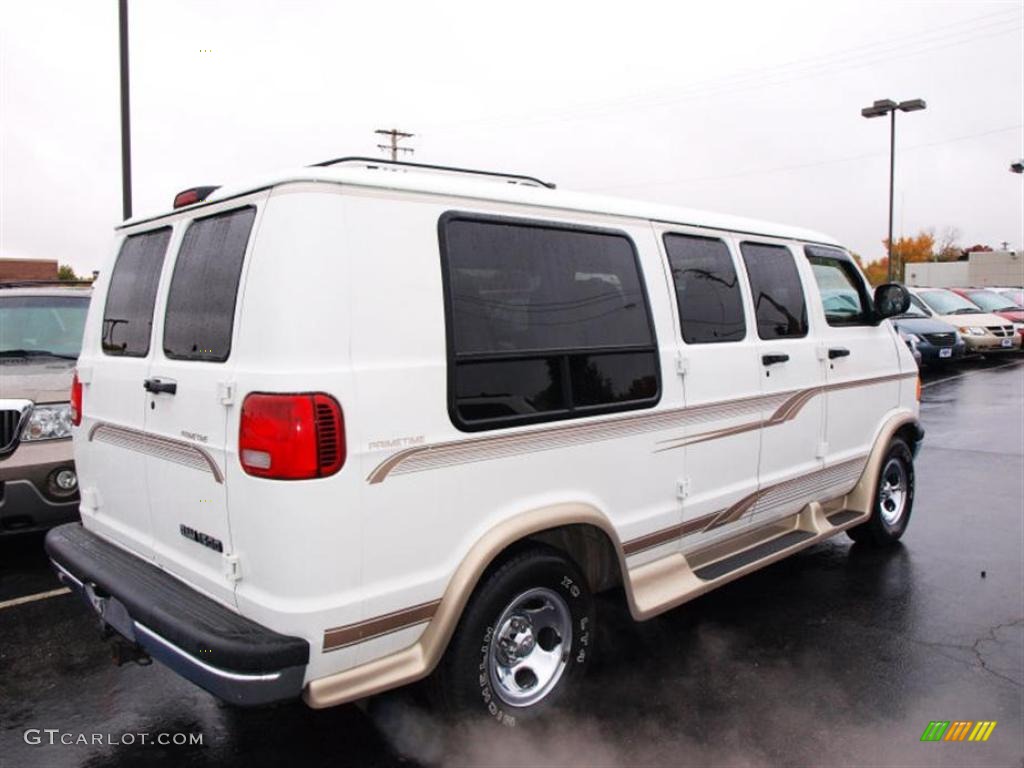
(1017, 167)
(880, 109)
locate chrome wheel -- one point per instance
(530, 648)
(892, 493)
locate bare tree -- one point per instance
(947, 246)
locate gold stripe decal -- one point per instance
(836, 480)
(177, 451)
(339, 637)
(786, 405)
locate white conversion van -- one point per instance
(363, 422)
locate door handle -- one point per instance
(156, 386)
(835, 352)
(773, 359)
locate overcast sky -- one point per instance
(746, 108)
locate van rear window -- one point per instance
(545, 322)
(201, 301)
(128, 313)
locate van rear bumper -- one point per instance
(217, 649)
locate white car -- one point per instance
(364, 422)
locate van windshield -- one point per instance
(42, 326)
(949, 303)
(991, 301)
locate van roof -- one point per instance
(476, 187)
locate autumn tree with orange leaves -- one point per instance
(909, 250)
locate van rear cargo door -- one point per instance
(188, 392)
(111, 442)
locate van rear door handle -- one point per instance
(773, 359)
(835, 352)
(156, 386)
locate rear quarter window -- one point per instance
(201, 301)
(545, 322)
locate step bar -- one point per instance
(680, 577)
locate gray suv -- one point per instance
(40, 338)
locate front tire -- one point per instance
(523, 642)
(894, 499)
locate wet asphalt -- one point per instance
(837, 656)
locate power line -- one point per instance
(395, 136)
(905, 46)
(798, 166)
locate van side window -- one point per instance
(544, 323)
(128, 313)
(707, 290)
(778, 295)
(201, 300)
(842, 289)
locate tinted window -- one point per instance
(544, 323)
(201, 300)
(609, 378)
(775, 285)
(707, 291)
(842, 290)
(128, 314)
(506, 389)
(518, 288)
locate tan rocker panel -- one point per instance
(786, 406)
(650, 589)
(178, 451)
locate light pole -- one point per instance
(126, 123)
(880, 109)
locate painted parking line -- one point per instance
(34, 598)
(927, 384)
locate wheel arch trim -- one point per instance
(419, 660)
(862, 498)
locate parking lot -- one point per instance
(838, 655)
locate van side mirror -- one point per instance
(891, 299)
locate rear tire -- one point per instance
(523, 642)
(894, 499)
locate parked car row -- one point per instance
(943, 325)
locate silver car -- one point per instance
(40, 338)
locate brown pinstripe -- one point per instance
(787, 406)
(339, 637)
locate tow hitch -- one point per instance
(116, 626)
(124, 652)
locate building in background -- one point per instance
(28, 269)
(982, 268)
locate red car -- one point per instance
(995, 303)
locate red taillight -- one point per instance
(76, 400)
(291, 437)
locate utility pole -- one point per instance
(126, 138)
(396, 136)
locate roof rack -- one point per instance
(373, 163)
(44, 283)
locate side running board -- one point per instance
(752, 555)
